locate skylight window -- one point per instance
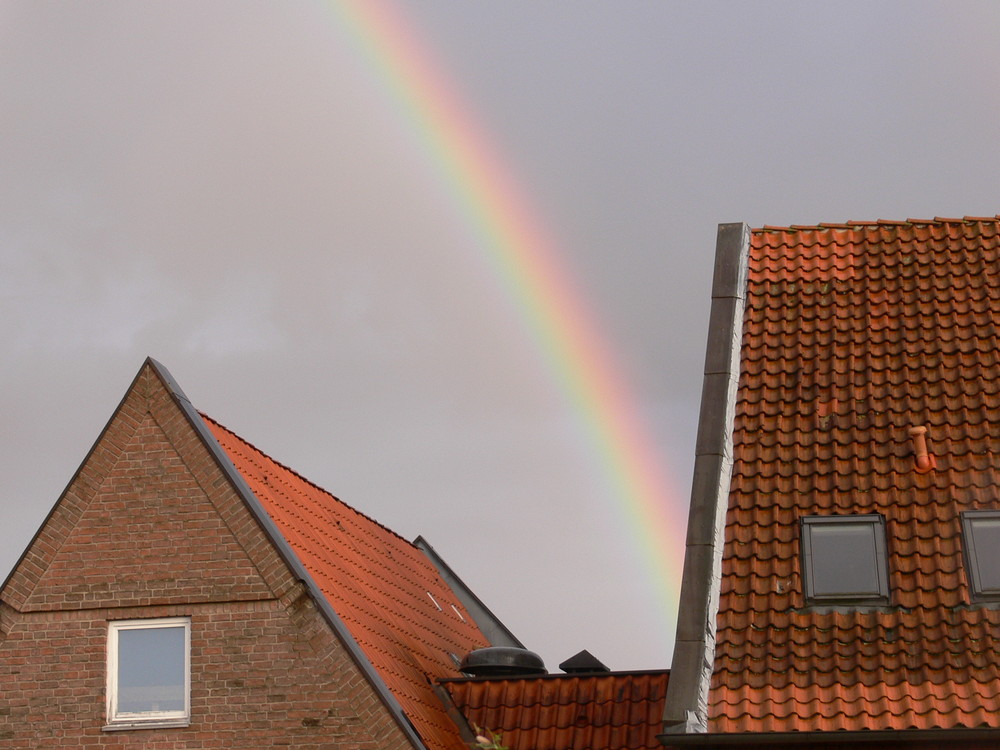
(844, 559)
(149, 673)
(981, 531)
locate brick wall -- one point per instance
(150, 527)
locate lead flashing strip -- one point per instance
(686, 709)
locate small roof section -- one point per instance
(853, 334)
(409, 624)
(612, 711)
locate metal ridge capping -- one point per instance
(686, 708)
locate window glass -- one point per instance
(844, 560)
(148, 673)
(982, 542)
(844, 557)
(151, 670)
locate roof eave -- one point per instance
(862, 737)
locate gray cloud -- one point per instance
(228, 188)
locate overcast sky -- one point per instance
(230, 188)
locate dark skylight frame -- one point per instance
(981, 542)
(845, 559)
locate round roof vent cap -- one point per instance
(502, 661)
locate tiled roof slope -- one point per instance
(609, 711)
(391, 598)
(853, 333)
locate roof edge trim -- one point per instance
(284, 549)
(495, 631)
(686, 706)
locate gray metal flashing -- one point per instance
(490, 625)
(686, 709)
(268, 526)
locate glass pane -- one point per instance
(151, 670)
(987, 541)
(844, 560)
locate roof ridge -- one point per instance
(308, 481)
(853, 224)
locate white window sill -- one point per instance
(125, 726)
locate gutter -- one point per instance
(838, 737)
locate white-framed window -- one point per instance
(149, 673)
(844, 559)
(981, 533)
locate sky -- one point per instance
(451, 261)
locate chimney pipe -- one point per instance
(925, 461)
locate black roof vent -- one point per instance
(583, 663)
(502, 661)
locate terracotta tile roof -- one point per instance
(608, 711)
(391, 598)
(852, 334)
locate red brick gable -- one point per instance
(152, 517)
(852, 334)
(408, 622)
(147, 458)
(148, 535)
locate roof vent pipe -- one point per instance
(925, 461)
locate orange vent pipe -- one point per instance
(925, 461)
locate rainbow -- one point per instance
(526, 261)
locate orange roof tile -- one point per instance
(406, 619)
(608, 711)
(852, 334)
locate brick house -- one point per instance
(841, 584)
(188, 591)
